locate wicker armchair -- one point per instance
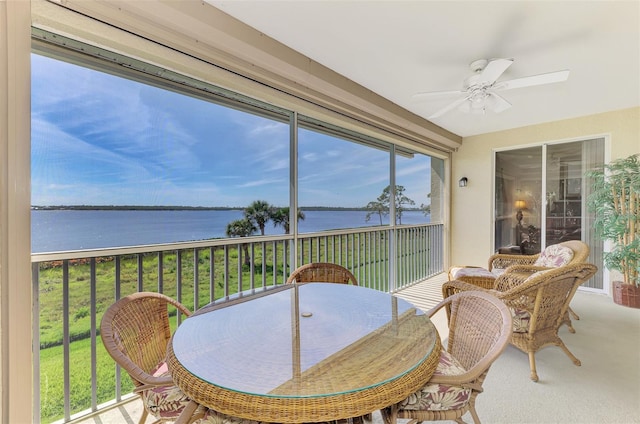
(503, 263)
(479, 330)
(322, 272)
(538, 301)
(135, 332)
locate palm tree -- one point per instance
(280, 216)
(242, 228)
(258, 212)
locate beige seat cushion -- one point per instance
(458, 272)
(166, 403)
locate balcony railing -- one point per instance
(74, 376)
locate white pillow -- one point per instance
(554, 256)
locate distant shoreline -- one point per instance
(131, 208)
(178, 208)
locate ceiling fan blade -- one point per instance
(435, 94)
(494, 69)
(497, 103)
(540, 79)
(451, 106)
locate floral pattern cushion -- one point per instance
(440, 397)
(166, 403)
(521, 319)
(554, 256)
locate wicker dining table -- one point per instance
(304, 353)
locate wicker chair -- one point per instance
(327, 273)
(501, 263)
(538, 301)
(322, 272)
(479, 330)
(135, 332)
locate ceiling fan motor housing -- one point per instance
(478, 65)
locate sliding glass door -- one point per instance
(518, 180)
(540, 198)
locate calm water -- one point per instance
(58, 230)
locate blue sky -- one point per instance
(98, 139)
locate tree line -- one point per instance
(259, 213)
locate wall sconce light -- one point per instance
(463, 182)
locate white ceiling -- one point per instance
(399, 48)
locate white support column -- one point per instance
(15, 200)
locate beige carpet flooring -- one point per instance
(604, 389)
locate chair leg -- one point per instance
(573, 314)
(532, 365)
(145, 413)
(571, 356)
(186, 416)
(200, 413)
(472, 410)
(143, 418)
(567, 319)
(569, 325)
(389, 414)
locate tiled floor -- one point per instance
(424, 295)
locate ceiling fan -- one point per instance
(479, 89)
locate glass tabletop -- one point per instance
(314, 339)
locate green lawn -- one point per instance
(79, 289)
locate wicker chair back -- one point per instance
(479, 331)
(322, 272)
(135, 331)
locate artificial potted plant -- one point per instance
(615, 200)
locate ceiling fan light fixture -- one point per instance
(479, 89)
(478, 98)
(472, 108)
(478, 104)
